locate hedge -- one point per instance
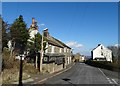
(104, 65)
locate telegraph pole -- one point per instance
(36, 58)
(41, 54)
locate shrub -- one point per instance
(29, 68)
(104, 64)
(7, 61)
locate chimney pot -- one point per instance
(46, 33)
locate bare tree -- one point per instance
(115, 52)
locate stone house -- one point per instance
(101, 53)
(56, 51)
(56, 54)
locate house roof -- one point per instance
(62, 43)
(52, 41)
(56, 42)
(96, 47)
(100, 45)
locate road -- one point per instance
(82, 73)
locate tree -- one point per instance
(115, 52)
(19, 33)
(77, 56)
(4, 34)
(34, 45)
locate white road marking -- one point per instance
(103, 73)
(105, 76)
(114, 81)
(110, 81)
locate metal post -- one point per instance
(20, 73)
(41, 59)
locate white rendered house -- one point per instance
(101, 53)
(33, 29)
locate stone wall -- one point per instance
(57, 49)
(52, 67)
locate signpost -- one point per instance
(21, 66)
(20, 72)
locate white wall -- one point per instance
(60, 50)
(106, 53)
(9, 45)
(53, 49)
(33, 33)
(97, 53)
(65, 49)
(46, 51)
(83, 58)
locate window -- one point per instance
(101, 47)
(45, 59)
(102, 53)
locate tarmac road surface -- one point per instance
(82, 73)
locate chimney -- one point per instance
(33, 22)
(99, 44)
(46, 33)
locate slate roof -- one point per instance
(97, 46)
(100, 45)
(56, 42)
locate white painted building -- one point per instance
(32, 33)
(33, 29)
(9, 44)
(101, 53)
(56, 48)
(82, 58)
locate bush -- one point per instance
(104, 64)
(8, 62)
(11, 68)
(29, 68)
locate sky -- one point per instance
(81, 25)
(59, 0)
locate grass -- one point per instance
(11, 68)
(29, 68)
